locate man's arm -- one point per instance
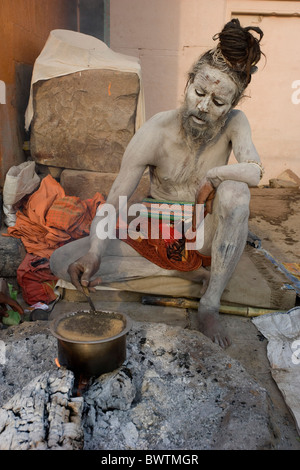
(140, 152)
(124, 185)
(248, 169)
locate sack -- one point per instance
(19, 181)
(36, 280)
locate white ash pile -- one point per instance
(176, 390)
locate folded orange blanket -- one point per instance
(50, 219)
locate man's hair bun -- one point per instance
(239, 46)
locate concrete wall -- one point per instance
(169, 35)
(25, 26)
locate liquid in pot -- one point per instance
(90, 326)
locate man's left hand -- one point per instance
(205, 195)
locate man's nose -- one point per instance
(203, 104)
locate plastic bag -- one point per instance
(20, 180)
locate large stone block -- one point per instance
(85, 184)
(84, 120)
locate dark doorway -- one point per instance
(93, 18)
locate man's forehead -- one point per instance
(209, 76)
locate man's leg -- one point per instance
(226, 232)
(120, 263)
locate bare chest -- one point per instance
(180, 169)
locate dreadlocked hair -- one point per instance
(237, 53)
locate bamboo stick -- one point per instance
(180, 302)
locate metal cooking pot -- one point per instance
(92, 358)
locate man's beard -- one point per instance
(199, 133)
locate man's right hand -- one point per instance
(83, 269)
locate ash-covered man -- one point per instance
(187, 152)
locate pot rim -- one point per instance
(56, 320)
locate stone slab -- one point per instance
(84, 120)
(85, 184)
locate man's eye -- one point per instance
(218, 103)
(199, 93)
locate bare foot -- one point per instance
(209, 325)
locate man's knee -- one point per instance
(55, 264)
(233, 198)
(59, 263)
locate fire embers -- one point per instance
(81, 382)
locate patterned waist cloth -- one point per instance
(169, 252)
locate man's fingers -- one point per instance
(75, 275)
(17, 307)
(92, 289)
(80, 275)
(85, 278)
(209, 201)
(205, 192)
(82, 270)
(208, 206)
(3, 311)
(13, 304)
(206, 196)
(95, 282)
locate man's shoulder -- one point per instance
(237, 121)
(153, 134)
(164, 118)
(237, 117)
(160, 125)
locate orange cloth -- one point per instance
(36, 280)
(168, 253)
(50, 218)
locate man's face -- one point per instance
(208, 100)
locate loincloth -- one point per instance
(167, 252)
